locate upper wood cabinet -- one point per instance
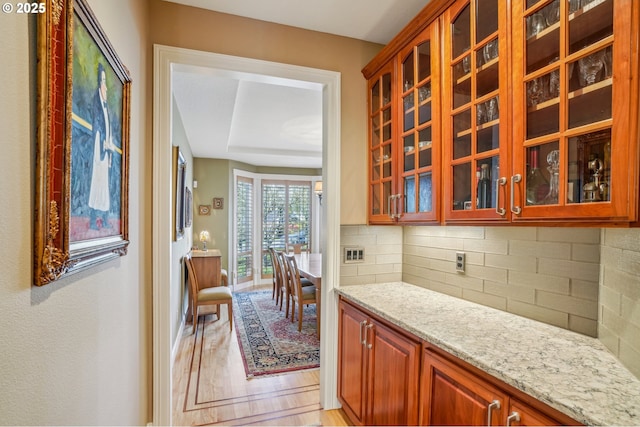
(575, 146)
(382, 174)
(404, 122)
(475, 105)
(526, 113)
(419, 132)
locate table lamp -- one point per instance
(204, 238)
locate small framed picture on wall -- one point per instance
(204, 209)
(218, 203)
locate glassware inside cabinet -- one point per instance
(590, 22)
(543, 169)
(486, 174)
(590, 88)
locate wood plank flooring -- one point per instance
(210, 386)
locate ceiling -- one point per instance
(268, 121)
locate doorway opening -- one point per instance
(166, 60)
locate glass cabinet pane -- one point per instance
(425, 192)
(375, 131)
(409, 153)
(386, 89)
(487, 171)
(589, 168)
(590, 21)
(407, 73)
(590, 96)
(486, 18)
(409, 109)
(543, 169)
(462, 134)
(424, 103)
(462, 187)
(424, 60)
(461, 30)
(375, 97)
(410, 194)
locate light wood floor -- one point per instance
(210, 386)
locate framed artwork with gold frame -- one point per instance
(82, 157)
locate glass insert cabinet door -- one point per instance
(382, 194)
(475, 112)
(419, 148)
(570, 152)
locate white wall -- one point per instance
(76, 351)
(180, 247)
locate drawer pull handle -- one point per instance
(369, 327)
(493, 405)
(513, 417)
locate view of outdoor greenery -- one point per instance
(286, 217)
(244, 228)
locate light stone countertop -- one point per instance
(568, 371)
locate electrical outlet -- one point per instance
(460, 261)
(352, 255)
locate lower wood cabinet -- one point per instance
(453, 395)
(378, 370)
(387, 376)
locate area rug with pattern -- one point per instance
(269, 342)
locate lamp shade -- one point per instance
(204, 236)
(318, 187)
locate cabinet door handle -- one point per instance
(500, 181)
(493, 405)
(369, 327)
(398, 209)
(362, 341)
(513, 417)
(515, 178)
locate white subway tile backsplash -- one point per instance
(584, 326)
(568, 304)
(629, 356)
(511, 262)
(541, 314)
(558, 285)
(495, 301)
(540, 249)
(569, 234)
(510, 291)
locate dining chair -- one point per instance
(300, 295)
(207, 296)
(275, 292)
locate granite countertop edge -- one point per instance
(583, 380)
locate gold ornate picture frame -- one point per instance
(82, 158)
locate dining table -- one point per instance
(310, 267)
